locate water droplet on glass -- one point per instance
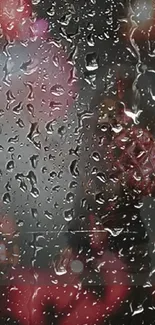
(65, 19)
(34, 161)
(114, 232)
(55, 60)
(20, 123)
(73, 185)
(30, 67)
(10, 166)
(30, 109)
(1, 112)
(91, 62)
(34, 213)
(14, 139)
(31, 93)
(139, 310)
(62, 131)
(18, 108)
(35, 2)
(69, 197)
(32, 178)
(57, 90)
(8, 186)
(6, 198)
(33, 132)
(96, 156)
(51, 11)
(59, 269)
(91, 40)
(101, 177)
(100, 198)
(49, 127)
(56, 188)
(10, 96)
(23, 186)
(20, 223)
(48, 215)
(35, 192)
(68, 215)
(74, 168)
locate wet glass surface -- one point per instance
(77, 162)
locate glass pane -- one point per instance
(77, 160)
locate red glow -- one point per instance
(13, 16)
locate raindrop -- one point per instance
(1, 112)
(30, 109)
(20, 123)
(90, 79)
(20, 223)
(44, 170)
(8, 71)
(11, 149)
(55, 106)
(19, 177)
(91, 62)
(56, 188)
(35, 2)
(6, 198)
(18, 108)
(74, 168)
(53, 174)
(30, 66)
(69, 197)
(34, 213)
(34, 131)
(139, 205)
(96, 156)
(31, 93)
(49, 127)
(139, 310)
(10, 166)
(90, 40)
(8, 187)
(101, 177)
(10, 97)
(14, 139)
(68, 215)
(23, 186)
(48, 215)
(60, 174)
(57, 90)
(32, 177)
(35, 192)
(117, 129)
(34, 161)
(62, 131)
(51, 11)
(55, 60)
(73, 185)
(114, 232)
(100, 199)
(65, 19)
(72, 78)
(61, 270)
